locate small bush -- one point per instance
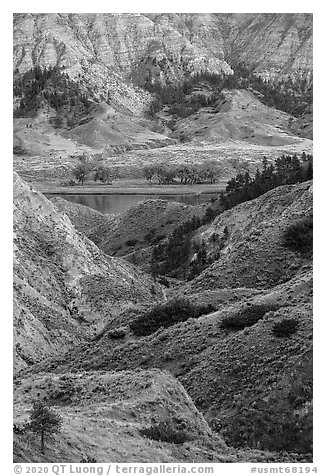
(167, 314)
(132, 242)
(150, 235)
(118, 333)
(88, 459)
(299, 236)
(246, 317)
(20, 430)
(165, 431)
(286, 327)
(18, 150)
(157, 239)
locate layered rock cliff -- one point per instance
(107, 50)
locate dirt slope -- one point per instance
(63, 283)
(241, 116)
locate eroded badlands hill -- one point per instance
(141, 45)
(58, 277)
(248, 365)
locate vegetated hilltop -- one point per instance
(65, 287)
(241, 117)
(253, 252)
(243, 354)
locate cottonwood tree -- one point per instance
(80, 172)
(44, 421)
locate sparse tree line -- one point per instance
(52, 86)
(186, 174)
(205, 89)
(172, 256)
(94, 169)
(287, 169)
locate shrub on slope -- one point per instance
(167, 314)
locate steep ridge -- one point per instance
(65, 287)
(275, 43)
(253, 254)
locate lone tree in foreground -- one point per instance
(44, 421)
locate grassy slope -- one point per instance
(103, 413)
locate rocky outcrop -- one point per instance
(107, 50)
(275, 43)
(65, 287)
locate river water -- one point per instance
(119, 203)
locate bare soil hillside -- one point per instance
(58, 274)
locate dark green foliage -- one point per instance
(267, 429)
(166, 315)
(52, 86)
(184, 99)
(80, 172)
(246, 317)
(171, 257)
(18, 150)
(285, 170)
(165, 431)
(88, 459)
(132, 242)
(286, 327)
(299, 236)
(186, 174)
(168, 256)
(44, 421)
(205, 90)
(103, 174)
(281, 422)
